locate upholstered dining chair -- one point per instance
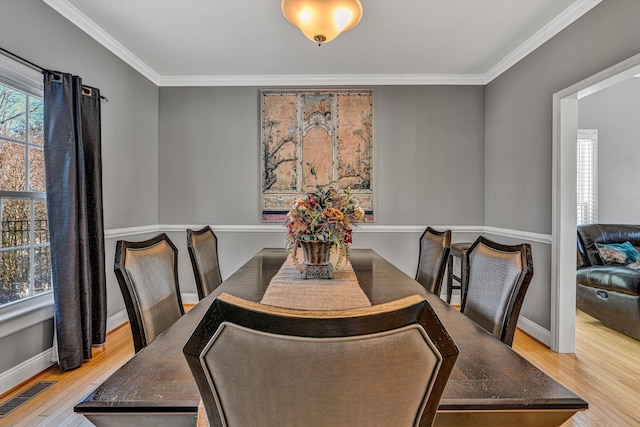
(203, 251)
(385, 365)
(147, 272)
(497, 280)
(434, 252)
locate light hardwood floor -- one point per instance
(605, 371)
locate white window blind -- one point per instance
(587, 179)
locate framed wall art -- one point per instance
(331, 129)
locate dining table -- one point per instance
(490, 385)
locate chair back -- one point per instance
(147, 273)
(434, 251)
(385, 365)
(203, 251)
(497, 280)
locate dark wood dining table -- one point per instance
(491, 385)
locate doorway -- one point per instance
(563, 248)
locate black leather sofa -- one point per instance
(608, 292)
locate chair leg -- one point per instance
(449, 278)
(463, 282)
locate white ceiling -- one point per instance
(249, 42)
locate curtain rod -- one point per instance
(34, 66)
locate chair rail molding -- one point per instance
(361, 228)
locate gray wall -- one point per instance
(33, 30)
(429, 167)
(429, 155)
(615, 113)
(518, 158)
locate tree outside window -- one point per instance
(25, 266)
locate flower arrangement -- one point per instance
(325, 215)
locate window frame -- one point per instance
(24, 313)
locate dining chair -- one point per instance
(203, 251)
(147, 273)
(385, 365)
(498, 277)
(434, 252)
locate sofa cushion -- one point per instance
(613, 278)
(619, 253)
(591, 234)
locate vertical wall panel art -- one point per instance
(331, 129)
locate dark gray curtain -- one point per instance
(73, 169)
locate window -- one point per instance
(587, 179)
(25, 259)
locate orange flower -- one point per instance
(331, 214)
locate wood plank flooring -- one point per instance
(605, 371)
(54, 406)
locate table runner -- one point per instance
(287, 289)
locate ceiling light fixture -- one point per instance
(322, 20)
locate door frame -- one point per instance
(563, 235)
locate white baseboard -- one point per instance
(189, 298)
(530, 327)
(455, 299)
(536, 331)
(31, 367)
(116, 320)
(27, 369)
(121, 317)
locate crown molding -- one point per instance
(559, 23)
(324, 80)
(566, 18)
(80, 20)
